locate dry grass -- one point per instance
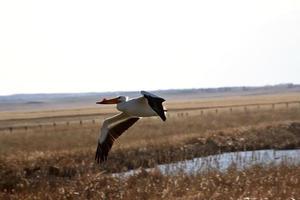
(147, 132)
(56, 162)
(272, 182)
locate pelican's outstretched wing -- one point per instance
(107, 138)
(155, 102)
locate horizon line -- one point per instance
(152, 90)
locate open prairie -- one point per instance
(49, 154)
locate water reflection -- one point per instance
(221, 162)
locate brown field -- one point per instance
(50, 154)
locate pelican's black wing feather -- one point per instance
(113, 133)
(155, 103)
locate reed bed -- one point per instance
(257, 182)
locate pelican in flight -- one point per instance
(132, 110)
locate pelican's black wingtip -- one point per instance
(99, 157)
(163, 117)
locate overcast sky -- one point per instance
(86, 46)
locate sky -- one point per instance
(92, 46)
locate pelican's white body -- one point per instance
(137, 107)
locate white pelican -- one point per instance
(132, 110)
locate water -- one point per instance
(221, 162)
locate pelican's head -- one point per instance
(119, 99)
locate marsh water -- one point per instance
(221, 162)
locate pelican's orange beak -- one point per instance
(109, 101)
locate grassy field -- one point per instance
(57, 162)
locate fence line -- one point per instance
(234, 106)
(216, 109)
